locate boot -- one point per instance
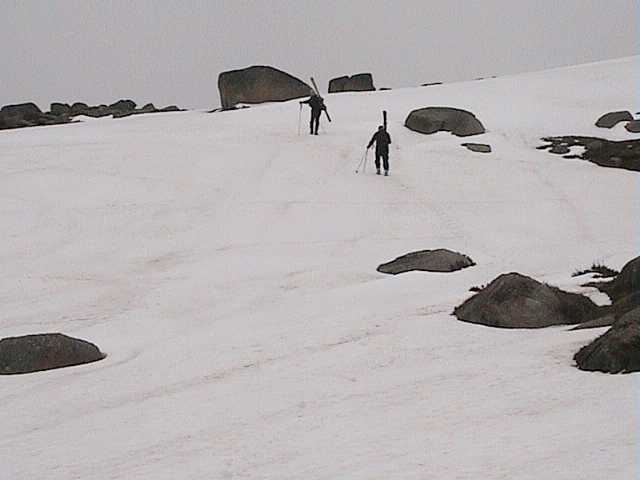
(386, 173)
(377, 171)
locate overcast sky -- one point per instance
(171, 51)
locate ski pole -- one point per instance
(361, 162)
(366, 155)
(299, 119)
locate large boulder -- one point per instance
(515, 301)
(437, 119)
(32, 353)
(361, 82)
(24, 111)
(259, 84)
(617, 351)
(611, 119)
(440, 260)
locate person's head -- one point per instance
(381, 127)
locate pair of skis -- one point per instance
(315, 87)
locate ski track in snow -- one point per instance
(227, 266)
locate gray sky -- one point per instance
(171, 51)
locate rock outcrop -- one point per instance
(617, 351)
(515, 301)
(33, 353)
(606, 153)
(29, 115)
(441, 260)
(361, 82)
(611, 119)
(259, 84)
(438, 119)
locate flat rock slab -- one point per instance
(444, 119)
(440, 260)
(477, 147)
(513, 300)
(33, 353)
(617, 351)
(611, 119)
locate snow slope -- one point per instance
(227, 267)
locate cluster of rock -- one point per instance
(440, 260)
(29, 114)
(611, 119)
(515, 301)
(606, 153)
(361, 82)
(259, 84)
(444, 119)
(34, 353)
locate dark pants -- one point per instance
(384, 154)
(314, 124)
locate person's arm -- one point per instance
(373, 139)
(389, 137)
(306, 101)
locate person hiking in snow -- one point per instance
(382, 140)
(317, 106)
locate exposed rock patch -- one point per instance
(478, 147)
(361, 82)
(440, 260)
(611, 119)
(617, 351)
(258, 84)
(515, 301)
(437, 119)
(32, 353)
(606, 153)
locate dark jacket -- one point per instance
(316, 103)
(382, 141)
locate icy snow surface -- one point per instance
(227, 267)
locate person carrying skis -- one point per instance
(317, 106)
(382, 140)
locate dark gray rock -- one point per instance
(148, 108)
(625, 284)
(170, 108)
(617, 351)
(32, 353)
(123, 106)
(437, 119)
(60, 109)
(611, 119)
(25, 111)
(478, 147)
(515, 301)
(431, 84)
(79, 108)
(440, 260)
(560, 149)
(99, 111)
(361, 82)
(259, 84)
(633, 126)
